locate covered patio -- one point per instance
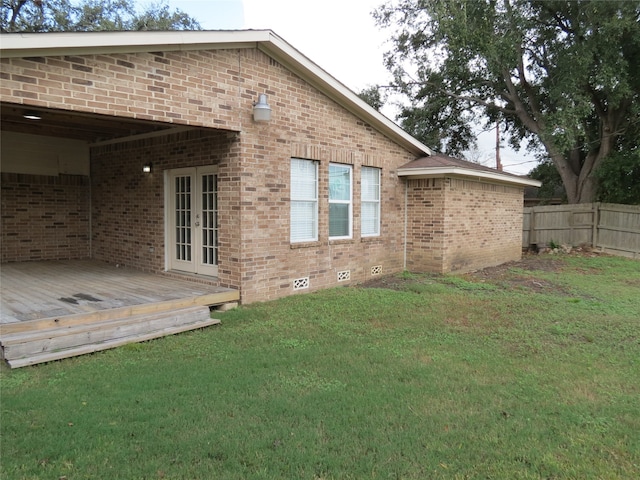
(56, 309)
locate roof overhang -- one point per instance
(469, 174)
(20, 45)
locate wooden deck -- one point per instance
(74, 299)
(41, 290)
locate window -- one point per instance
(339, 201)
(370, 201)
(304, 200)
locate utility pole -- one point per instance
(498, 162)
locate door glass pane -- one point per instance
(183, 218)
(209, 219)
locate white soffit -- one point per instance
(20, 45)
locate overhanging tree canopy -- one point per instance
(563, 74)
(89, 16)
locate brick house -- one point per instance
(146, 149)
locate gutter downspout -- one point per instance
(406, 220)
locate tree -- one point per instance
(372, 96)
(90, 15)
(552, 187)
(565, 75)
(619, 178)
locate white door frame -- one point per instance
(200, 222)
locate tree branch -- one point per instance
(535, 125)
(466, 98)
(14, 14)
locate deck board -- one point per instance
(34, 290)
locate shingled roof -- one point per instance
(439, 165)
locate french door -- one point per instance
(192, 220)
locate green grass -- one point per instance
(532, 375)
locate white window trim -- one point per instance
(343, 202)
(376, 202)
(306, 200)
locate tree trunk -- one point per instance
(580, 187)
(578, 177)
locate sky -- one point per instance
(341, 37)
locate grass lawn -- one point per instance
(530, 371)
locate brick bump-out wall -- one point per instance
(457, 225)
(482, 224)
(45, 217)
(426, 249)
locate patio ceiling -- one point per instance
(91, 128)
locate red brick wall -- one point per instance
(483, 224)
(460, 225)
(44, 217)
(194, 88)
(425, 225)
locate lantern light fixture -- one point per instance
(261, 109)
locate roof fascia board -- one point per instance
(435, 172)
(65, 43)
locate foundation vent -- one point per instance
(344, 276)
(301, 283)
(376, 270)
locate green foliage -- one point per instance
(90, 15)
(458, 381)
(158, 17)
(372, 96)
(563, 75)
(552, 186)
(619, 178)
(553, 245)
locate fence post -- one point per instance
(532, 227)
(596, 222)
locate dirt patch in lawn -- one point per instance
(505, 276)
(532, 263)
(502, 275)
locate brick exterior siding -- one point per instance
(128, 206)
(460, 225)
(45, 218)
(447, 220)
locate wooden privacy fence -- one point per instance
(610, 227)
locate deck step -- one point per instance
(29, 348)
(216, 298)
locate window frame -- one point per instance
(364, 201)
(348, 202)
(293, 200)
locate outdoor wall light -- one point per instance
(31, 115)
(261, 109)
(146, 168)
